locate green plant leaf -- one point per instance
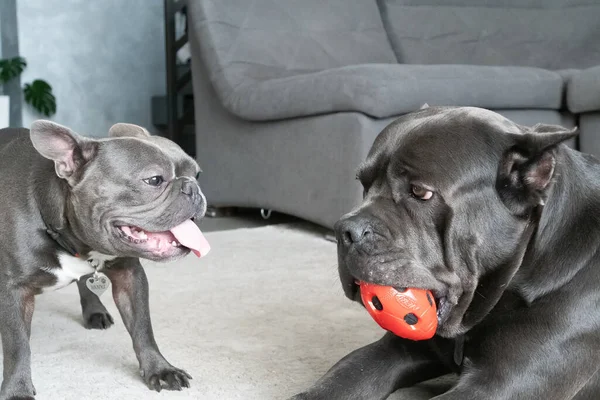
(11, 68)
(39, 95)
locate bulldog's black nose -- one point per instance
(353, 230)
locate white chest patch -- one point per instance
(72, 268)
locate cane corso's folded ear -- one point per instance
(527, 167)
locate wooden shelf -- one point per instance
(173, 113)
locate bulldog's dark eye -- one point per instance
(156, 180)
(198, 175)
(421, 193)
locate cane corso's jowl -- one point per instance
(85, 210)
(502, 223)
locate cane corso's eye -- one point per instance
(421, 193)
(156, 180)
(362, 182)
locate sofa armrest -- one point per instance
(583, 91)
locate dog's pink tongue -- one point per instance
(189, 235)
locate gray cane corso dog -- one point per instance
(70, 206)
(502, 223)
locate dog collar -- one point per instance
(61, 241)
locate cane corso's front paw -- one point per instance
(101, 320)
(305, 396)
(166, 377)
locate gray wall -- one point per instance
(9, 47)
(103, 58)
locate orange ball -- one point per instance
(410, 314)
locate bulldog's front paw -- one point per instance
(99, 320)
(166, 377)
(19, 390)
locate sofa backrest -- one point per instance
(263, 39)
(553, 34)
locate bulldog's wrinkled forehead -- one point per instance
(156, 153)
(173, 151)
(441, 145)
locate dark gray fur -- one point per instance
(81, 199)
(511, 239)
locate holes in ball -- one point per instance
(411, 319)
(429, 299)
(376, 303)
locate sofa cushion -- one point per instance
(583, 91)
(589, 137)
(552, 34)
(567, 74)
(384, 90)
(242, 40)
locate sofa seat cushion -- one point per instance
(385, 90)
(583, 91)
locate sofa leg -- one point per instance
(219, 212)
(330, 236)
(265, 213)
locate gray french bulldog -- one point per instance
(72, 206)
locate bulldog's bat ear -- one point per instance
(69, 151)
(527, 168)
(424, 106)
(127, 130)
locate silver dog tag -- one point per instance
(98, 283)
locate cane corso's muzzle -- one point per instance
(371, 250)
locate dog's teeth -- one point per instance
(142, 235)
(174, 243)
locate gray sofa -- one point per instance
(289, 95)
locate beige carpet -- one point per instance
(261, 317)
